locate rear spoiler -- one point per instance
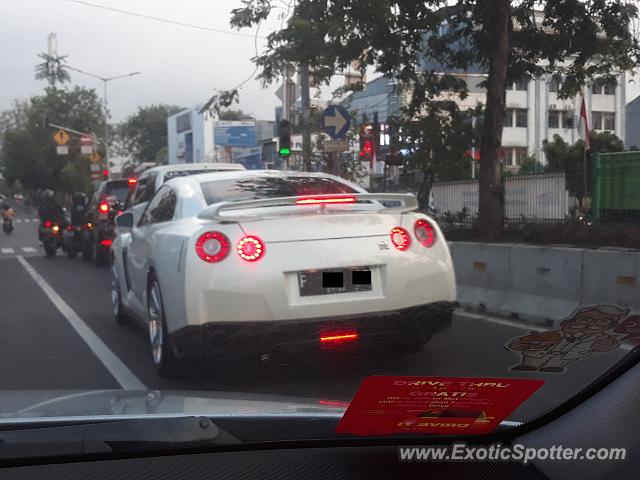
(214, 212)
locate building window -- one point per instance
(521, 117)
(521, 84)
(508, 118)
(567, 119)
(555, 83)
(603, 121)
(602, 87)
(515, 117)
(554, 119)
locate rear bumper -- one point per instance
(416, 324)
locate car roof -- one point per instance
(194, 166)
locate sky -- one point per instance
(178, 65)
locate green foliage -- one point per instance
(530, 165)
(562, 157)
(144, 134)
(27, 149)
(52, 69)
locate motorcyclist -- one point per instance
(50, 210)
(8, 214)
(78, 209)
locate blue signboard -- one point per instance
(336, 121)
(235, 134)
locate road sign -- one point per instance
(235, 134)
(333, 146)
(86, 144)
(61, 138)
(336, 121)
(62, 150)
(95, 157)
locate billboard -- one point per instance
(235, 134)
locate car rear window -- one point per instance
(184, 173)
(118, 190)
(270, 187)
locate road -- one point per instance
(58, 332)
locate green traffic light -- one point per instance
(285, 152)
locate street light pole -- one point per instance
(105, 81)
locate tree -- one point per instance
(144, 134)
(423, 43)
(52, 69)
(27, 149)
(234, 115)
(562, 157)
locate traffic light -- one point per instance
(367, 142)
(284, 138)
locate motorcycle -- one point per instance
(73, 239)
(7, 225)
(51, 236)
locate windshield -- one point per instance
(268, 187)
(119, 191)
(462, 245)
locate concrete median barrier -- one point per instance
(543, 284)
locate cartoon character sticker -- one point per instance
(589, 330)
(631, 329)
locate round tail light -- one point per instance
(400, 238)
(212, 247)
(425, 233)
(250, 248)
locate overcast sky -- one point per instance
(179, 65)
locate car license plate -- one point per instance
(339, 280)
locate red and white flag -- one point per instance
(583, 125)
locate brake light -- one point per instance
(89, 226)
(47, 224)
(325, 201)
(104, 207)
(250, 248)
(55, 228)
(213, 247)
(333, 403)
(132, 181)
(425, 233)
(400, 238)
(339, 338)
(106, 243)
(70, 228)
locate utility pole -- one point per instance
(105, 81)
(305, 106)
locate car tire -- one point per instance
(71, 252)
(119, 312)
(162, 354)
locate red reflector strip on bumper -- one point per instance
(339, 338)
(106, 243)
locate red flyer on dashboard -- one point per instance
(443, 405)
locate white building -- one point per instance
(197, 137)
(535, 113)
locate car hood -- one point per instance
(38, 406)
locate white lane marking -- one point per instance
(125, 377)
(29, 249)
(7, 251)
(18, 220)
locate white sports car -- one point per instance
(273, 259)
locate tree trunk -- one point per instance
(496, 22)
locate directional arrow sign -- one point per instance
(61, 137)
(336, 121)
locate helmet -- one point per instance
(48, 194)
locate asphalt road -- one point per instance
(58, 332)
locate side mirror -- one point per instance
(124, 221)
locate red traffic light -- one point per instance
(105, 173)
